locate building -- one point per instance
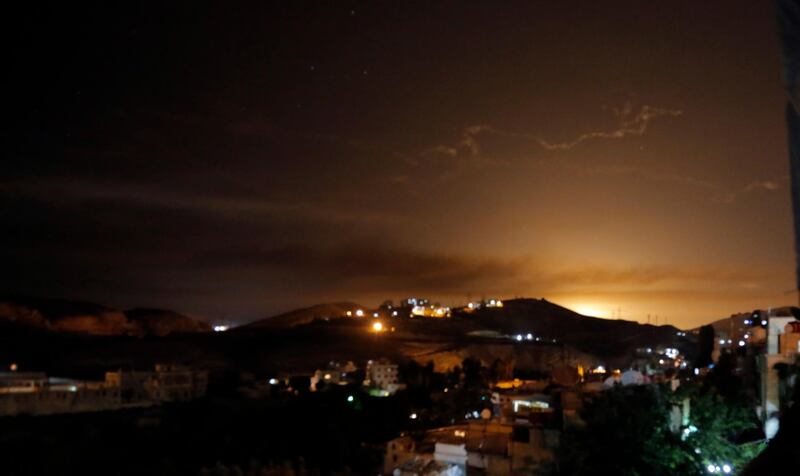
(37, 394)
(383, 376)
(22, 382)
(168, 383)
(488, 446)
(336, 373)
(513, 405)
(412, 456)
(782, 348)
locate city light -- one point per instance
(273, 381)
(360, 313)
(377, 326)
(413, 416)
(220, 328)
(350, 398)
(519, 337)
(715, 468)
(742, 343)
(529, 336)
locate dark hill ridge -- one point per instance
(161, 322)
(305, 315)
(592, 335)
(603, 338)
(589, 334)
(61, 315)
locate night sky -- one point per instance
(238, 160)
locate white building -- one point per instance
(782, 348)
(382, 374)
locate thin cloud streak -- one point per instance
(636, 126)
(62, 191)
(771, 185)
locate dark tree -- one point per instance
(705, 346)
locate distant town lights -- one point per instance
(220, 328)
(360, 313)
(742, 343)
(377, 326)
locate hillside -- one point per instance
(78, 317)
(161, 322)
(303, 316)
(603, 338)
(588, 334)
